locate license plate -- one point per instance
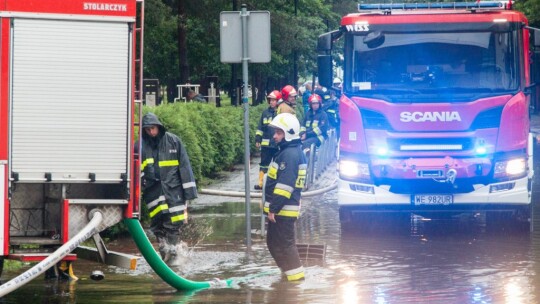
(433, 199)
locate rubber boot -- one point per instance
(172, 254)
(163, 248)
(259, 186)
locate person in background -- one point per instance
(283, 186)
(305, 97)
(264, 134)
(331, 107)
(193, 96)
(288, 102)
(315, 124)
(167, 184)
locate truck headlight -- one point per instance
(353, 169)
(510, 167)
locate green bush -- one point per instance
(214, 137)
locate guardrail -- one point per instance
(323, 156)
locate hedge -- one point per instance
(214, 137)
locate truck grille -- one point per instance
(430, 144)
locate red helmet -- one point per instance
(287, 91)
(275, 94)
(314, 98)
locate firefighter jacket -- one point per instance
(315, 125)
(331, 107)
(285, 180)
(265, 133)
(284, 107)
(166, 171)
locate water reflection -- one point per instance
(393, 260)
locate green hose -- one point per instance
(161, 269)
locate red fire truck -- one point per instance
(69, 86)
(434, 109)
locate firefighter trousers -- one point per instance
(266, 158)
(281, 242)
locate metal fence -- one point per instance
(324, 155)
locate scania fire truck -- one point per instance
(434, 109)
(70, 74)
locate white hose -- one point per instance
(27, 276)
(259, 194)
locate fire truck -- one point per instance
(435, 109)
(70, 79)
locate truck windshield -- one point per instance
(388, 65)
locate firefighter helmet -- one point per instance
(275, 94)
(287, 91)
(314, 98)
(289, 124)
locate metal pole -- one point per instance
(245, 59)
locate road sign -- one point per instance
(258, 37)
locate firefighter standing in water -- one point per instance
(284, 183)
(167, 184)
(264, 134)
(288, 102)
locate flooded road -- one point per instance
(396, 260)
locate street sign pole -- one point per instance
(244, 15)
(245, 37)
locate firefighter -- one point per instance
(264, 134)
(284, 183)
(331, 107)
(315, 124)
(288, 102)
(167, 184)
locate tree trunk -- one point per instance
(183, 63)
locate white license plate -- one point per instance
(432, 199)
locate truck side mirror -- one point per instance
(324, 44)
(324, 63)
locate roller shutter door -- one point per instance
(69, 99)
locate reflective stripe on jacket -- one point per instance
(166, 171)
(286, 179)
(265, 133)
(315, 125)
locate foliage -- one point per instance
(290, 34)
(213, 136)
(531, 9)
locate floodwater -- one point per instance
(413, 260)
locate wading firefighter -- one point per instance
(286, 178)
(167, 183)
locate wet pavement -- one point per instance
(393, 260)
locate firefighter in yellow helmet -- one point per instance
(284, 183)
